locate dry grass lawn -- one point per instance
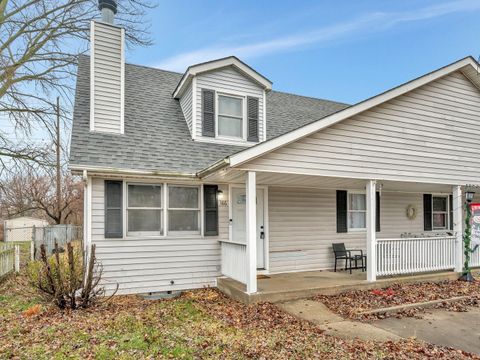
(200, 324)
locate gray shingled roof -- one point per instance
(156, 135)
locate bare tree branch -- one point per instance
(40, 41)
(32, 192)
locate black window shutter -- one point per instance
(113, 209)
(208, 113)
(427, 212)
(210, 209)
(253, 115)
(342, 226)
(450, 204)
(377, 211)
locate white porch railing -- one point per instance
(415, 255)
(475, 258)
(234, 261)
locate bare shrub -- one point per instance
(63, 278)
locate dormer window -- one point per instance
(230, 122)
(224, 101)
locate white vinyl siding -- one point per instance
(228, 81)
(302, 228)
(302, 225)
(429, 135)
(147, 264)
(186, 105)
(107, 71)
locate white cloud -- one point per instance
(368, 23)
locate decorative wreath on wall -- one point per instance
(411, 212)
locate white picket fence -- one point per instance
(234, 261)
(9, 259)
(415, 255)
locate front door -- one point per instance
(239, 223)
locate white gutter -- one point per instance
(97, 170)
(214, 167)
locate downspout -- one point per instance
(86, 218)
(85, 210)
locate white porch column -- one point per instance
(251, 193)
(371, 237)
(458, 226)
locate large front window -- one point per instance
(144, 209)
(357, 211)
(230, 116)
(440, 212)
(183, 209)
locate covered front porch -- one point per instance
(300, 223)
(299, 285)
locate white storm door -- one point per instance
(239, 224)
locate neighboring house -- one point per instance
(21, 228)
(189, 177)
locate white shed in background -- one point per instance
(20, 229)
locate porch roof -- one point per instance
(325, 182)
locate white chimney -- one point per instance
(107, 72)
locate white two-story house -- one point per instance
(212, 173)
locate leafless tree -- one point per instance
(33, 193)
(40, 41)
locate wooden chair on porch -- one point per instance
(341, 253)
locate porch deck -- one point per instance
(291, 286)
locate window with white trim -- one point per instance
(357, 211)
(183, 209)
(230, 117)
(144, 209)
(439, 212)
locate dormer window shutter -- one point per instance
(252, 113)
(208, 113)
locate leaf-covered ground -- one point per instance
(200, 324)
(351, 304)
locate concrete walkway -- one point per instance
(460, 330)
(332, 324)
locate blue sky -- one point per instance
(340, 50)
